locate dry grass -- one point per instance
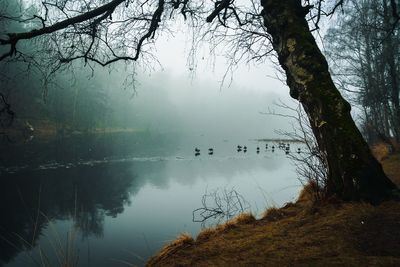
(183, 241)
(243, 218)
(206, 234)
(391, 166)
(349, 234)
(273, 214)
(381, 151)
(223, 227)
(356, 234)
(310, 193)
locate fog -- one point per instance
(167, 103)
(167, 99)
(111, 150)
(204, 97)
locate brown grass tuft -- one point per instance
(310, 193)
(392, 168)
(273, 214)
(206, 234)
(381, 151)
(244, 218)
(182, 241)
(225, 226)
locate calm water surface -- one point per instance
(120, 197)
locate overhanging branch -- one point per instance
(219, 6)
(155, 21)
(13, 38)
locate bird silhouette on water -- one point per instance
(281, 145)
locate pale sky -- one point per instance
(200, 101)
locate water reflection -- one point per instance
(131, 192)
(29, 201)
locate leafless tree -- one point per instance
(103, 32)
(220, 205)
(310, 162)
(364, 51)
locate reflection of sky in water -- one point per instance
(162, 195)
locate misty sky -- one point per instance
(170, 97)
(198, 102)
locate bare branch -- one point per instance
(220, 204)
(219, 6)
(13, 38)
(156, 19)
(6, 111)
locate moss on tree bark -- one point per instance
(353, 172)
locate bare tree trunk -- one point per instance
(353, 172)
(394, 96)
(390, 50)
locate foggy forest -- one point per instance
(199, 133)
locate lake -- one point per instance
(115, 199)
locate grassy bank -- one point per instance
(298, 234)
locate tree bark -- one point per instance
(390, 50)
(353, 172)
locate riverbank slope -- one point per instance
(299, 234)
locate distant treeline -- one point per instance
(280, 140)
(364, 47)
(67, 100)
(72, 101)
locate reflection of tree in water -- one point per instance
(82, 194)
(85, 195)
